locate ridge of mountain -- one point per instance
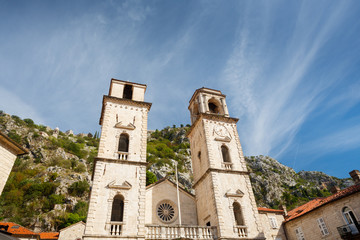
(48, 189)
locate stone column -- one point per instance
(226, 112)
(205, 102)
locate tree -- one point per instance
(150, 178)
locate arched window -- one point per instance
(238, 214)
(349, 215)
(124, 143)
(117, 212)
(128, 91)
(225, 154)
(214, 106)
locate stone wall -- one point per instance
(167, 191)
(332, 216)
(73, 232)
(271, 232)
(7, 159)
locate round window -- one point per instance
(166, 211)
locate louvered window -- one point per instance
(299, 234)
(273, 222)
(323, 229)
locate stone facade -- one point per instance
(320, 218)
(271, 221)
(221, 180)
(120, 173)
(8, 152)
(165, 191)
(73, 232)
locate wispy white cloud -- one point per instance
(274, 98)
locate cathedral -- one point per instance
(223, 207)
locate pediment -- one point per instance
(237, 193)
(223, 139)
(129, 126)
(114, 184)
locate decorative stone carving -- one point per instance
(221, 133)
(125, 185)
(238, 193)
(130, 126)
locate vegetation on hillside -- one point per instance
(49, 187)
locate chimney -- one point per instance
(283, 207)
(334, 189)
(355, 175)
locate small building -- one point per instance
(333, 217)
(9, 150)
(271, 220)
(72, 232)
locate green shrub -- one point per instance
(14, 136)
(150, 178)
(79, 188)
(17, 120)
(80, 168)
(81, 208)
(29, 122)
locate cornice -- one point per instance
(219, 170)
(210, 116)
(124, 101)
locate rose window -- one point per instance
(166, 212)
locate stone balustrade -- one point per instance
(241, 231)
(227, 165)
(114, 228)
(122, 155)
(176, 232)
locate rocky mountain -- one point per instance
(48, 189)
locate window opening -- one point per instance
(273, 222)
(208, 224)
(166, 212)
(213, 108)
(323, 229)
(225, 154)
(117, 211)
(299, 234)
(123, 143)
(128, 91)
(238, 214)
(199, 155)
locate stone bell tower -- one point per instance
(117, 201)
(224, 196)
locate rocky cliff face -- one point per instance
(48, 189)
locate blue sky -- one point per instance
(290, 69)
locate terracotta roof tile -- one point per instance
(17, 229)
(262, 209)
(318, 202)
(49, 235)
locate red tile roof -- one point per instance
(318, 202)
(262, 209)
(49, 235)
(17, 229)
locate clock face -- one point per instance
(221, 131)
